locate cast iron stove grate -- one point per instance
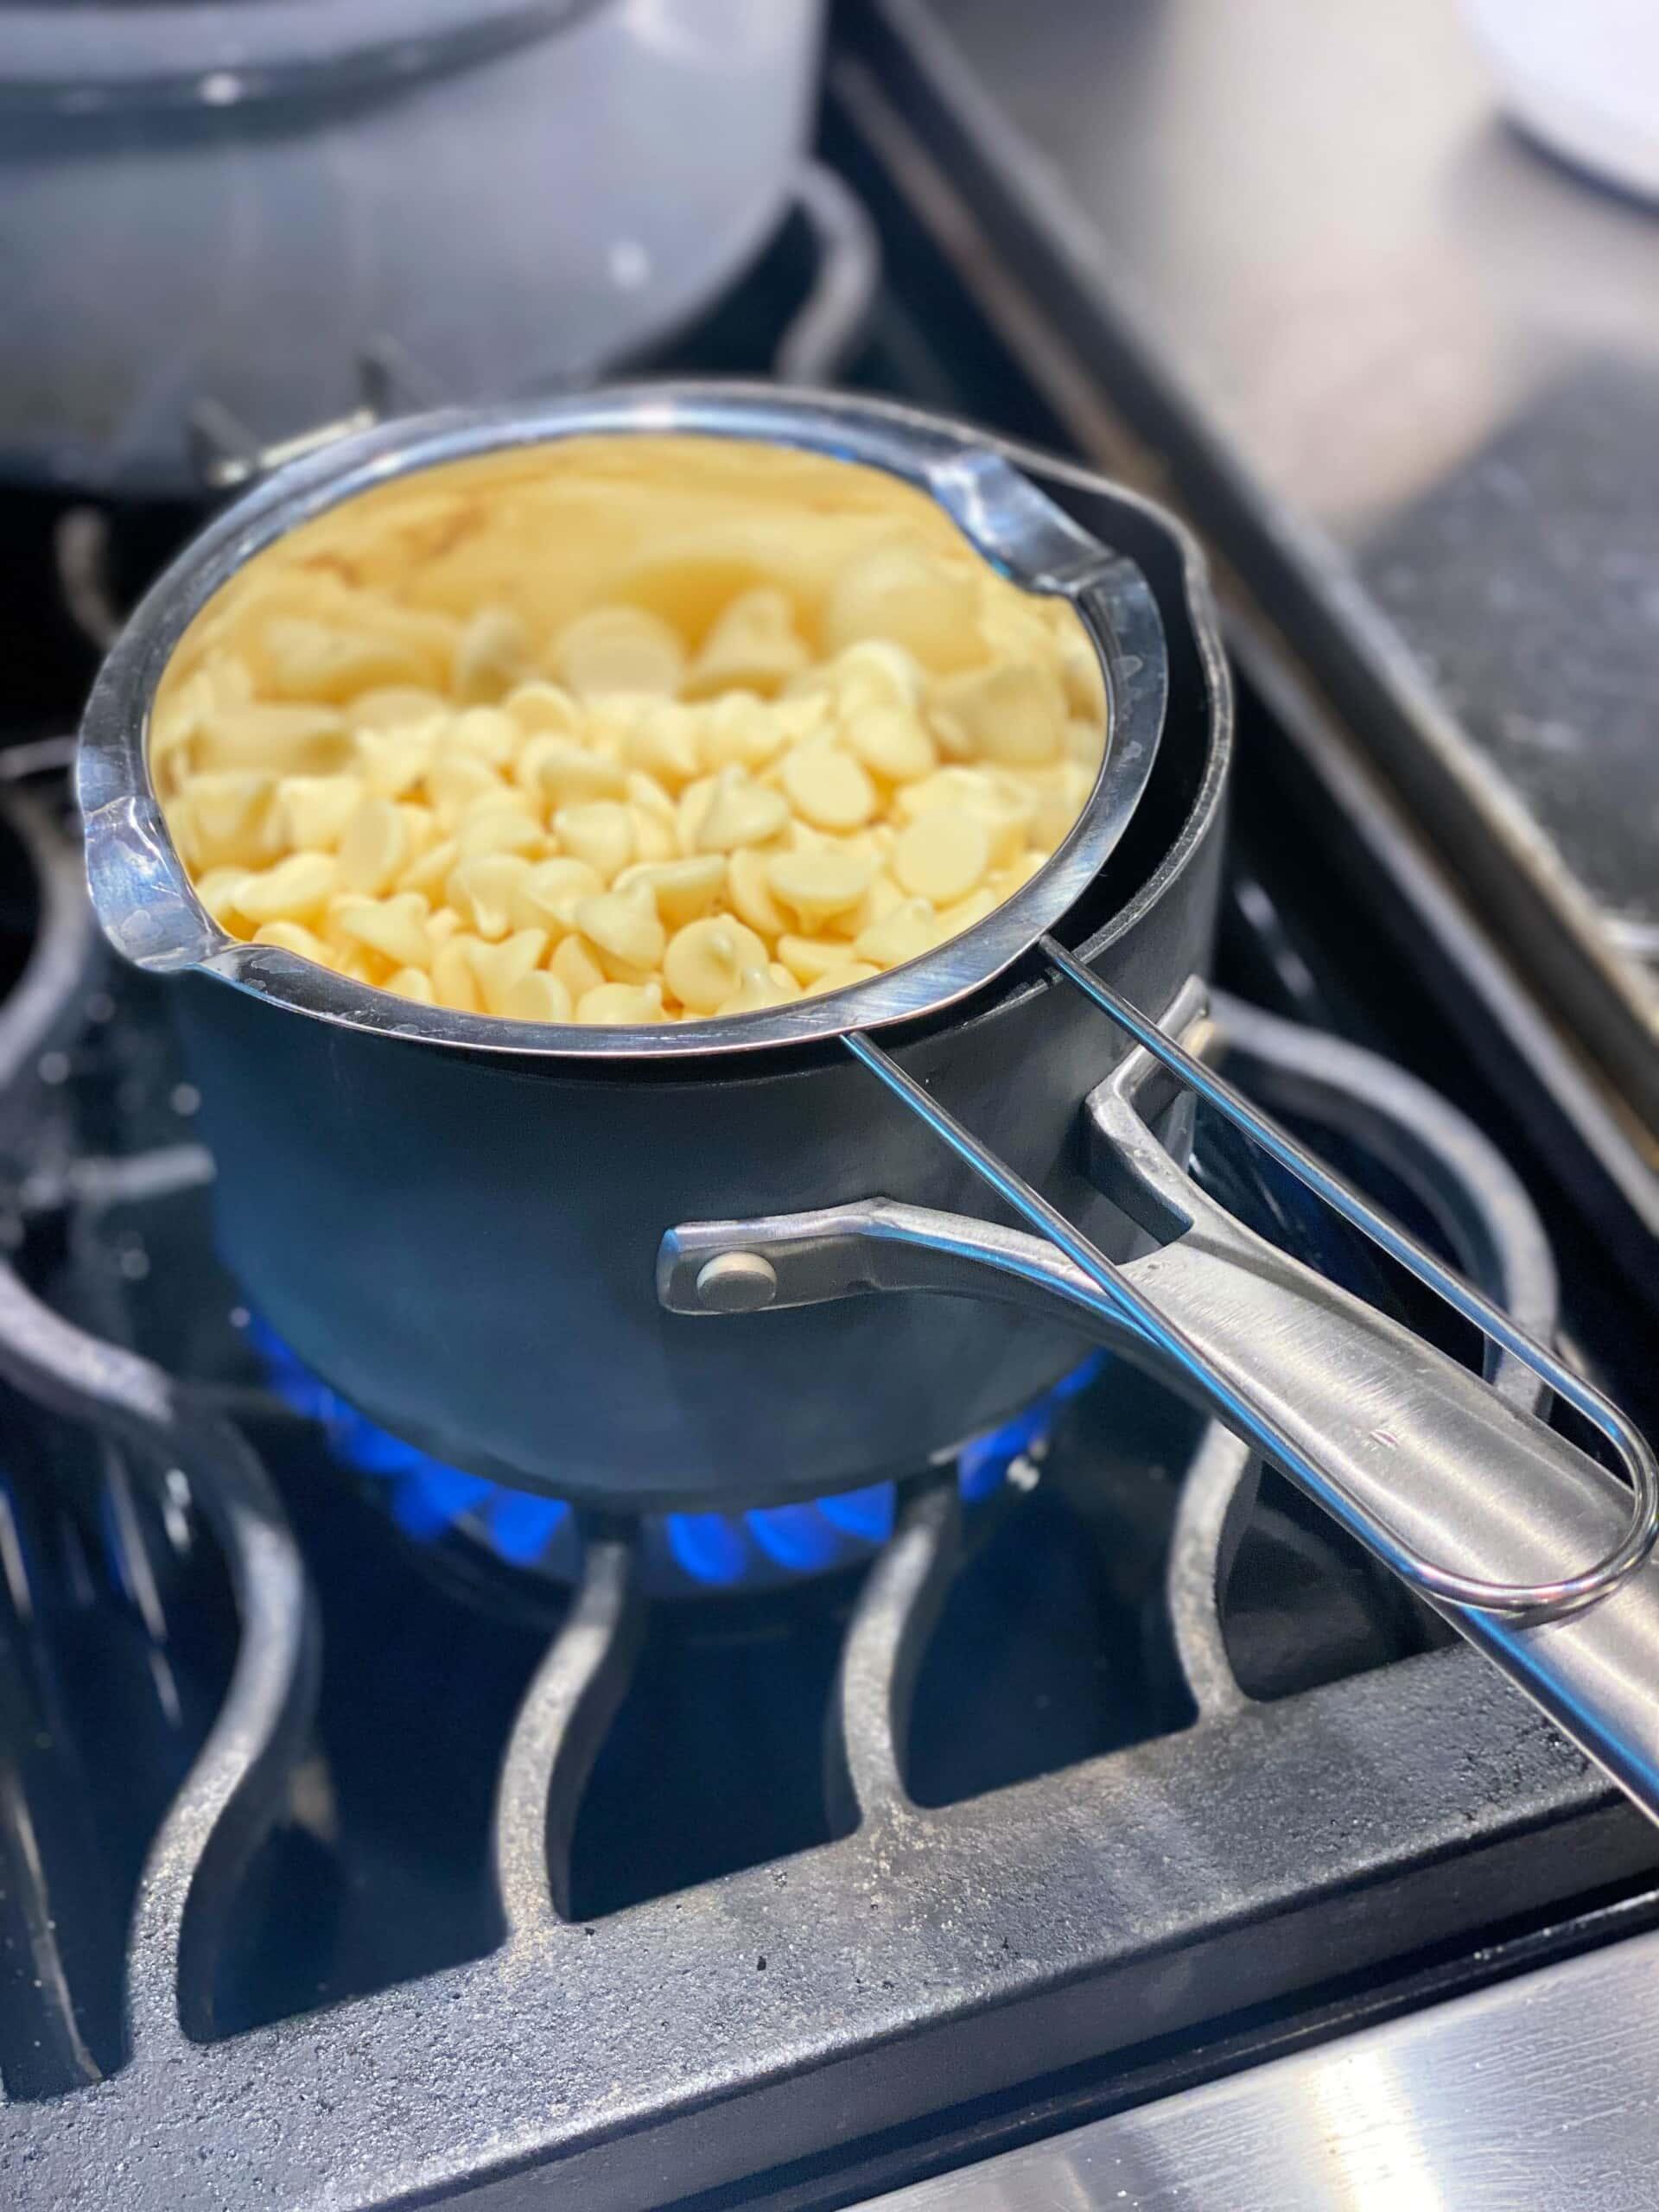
(775, 1895)
(513, 1987)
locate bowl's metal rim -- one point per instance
(148, 906)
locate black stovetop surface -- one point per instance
(1172, 1796)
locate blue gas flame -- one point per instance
(428, 1499)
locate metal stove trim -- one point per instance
(1481, 2104)
(987, 1942)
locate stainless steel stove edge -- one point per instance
(1538, 2092)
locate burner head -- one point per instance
(446, 1509)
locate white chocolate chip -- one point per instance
(293, 891)
(623, 930)
(998, 799)
(600, 833)
(741, 731)
(647, 796)
(953, 920)
(876, 673)
(566, 773)
(541, 707)
(662, 741)
(314, 810)
(617, 649)
(292, 937)
(577, 968)
(538, 996)
(760, 987)
(353, 960)
(374, 847)
(739, 812)
(653, 838)
(396, 928)
(810, 959)
(484, 891)
(501, 825)
(277, 738)
(456, 780)
(750, 896)
(312, 660)
(829, 787)
(453, 984)
(971, 789)
(493, 656)
(706, 960)
(621, 1003)
(230, 814)
(891, 741)
(485, 733)
(547, 897)
(906, 933)
(683, 890)
(942, 855)
(841, 978)
(216, 891)
(753, 647)
(422, 827)
(904, 593)
(430, 872)
(816, 886)
(501, 967)
(1014, 716)
(392, 761)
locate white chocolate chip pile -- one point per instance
(763, 772)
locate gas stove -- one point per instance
(372, 1834)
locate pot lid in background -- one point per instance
(511, 198)
(91, 55)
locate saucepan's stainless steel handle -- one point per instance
(1534, 1552)
(1132, 1165)
(783, 1260)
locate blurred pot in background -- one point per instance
(235, 202)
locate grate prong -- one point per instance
(567, 1710)
(869, 1715)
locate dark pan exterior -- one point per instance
(465, 1245)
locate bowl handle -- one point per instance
(1531, 1550)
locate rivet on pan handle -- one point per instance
(1535, 1601)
